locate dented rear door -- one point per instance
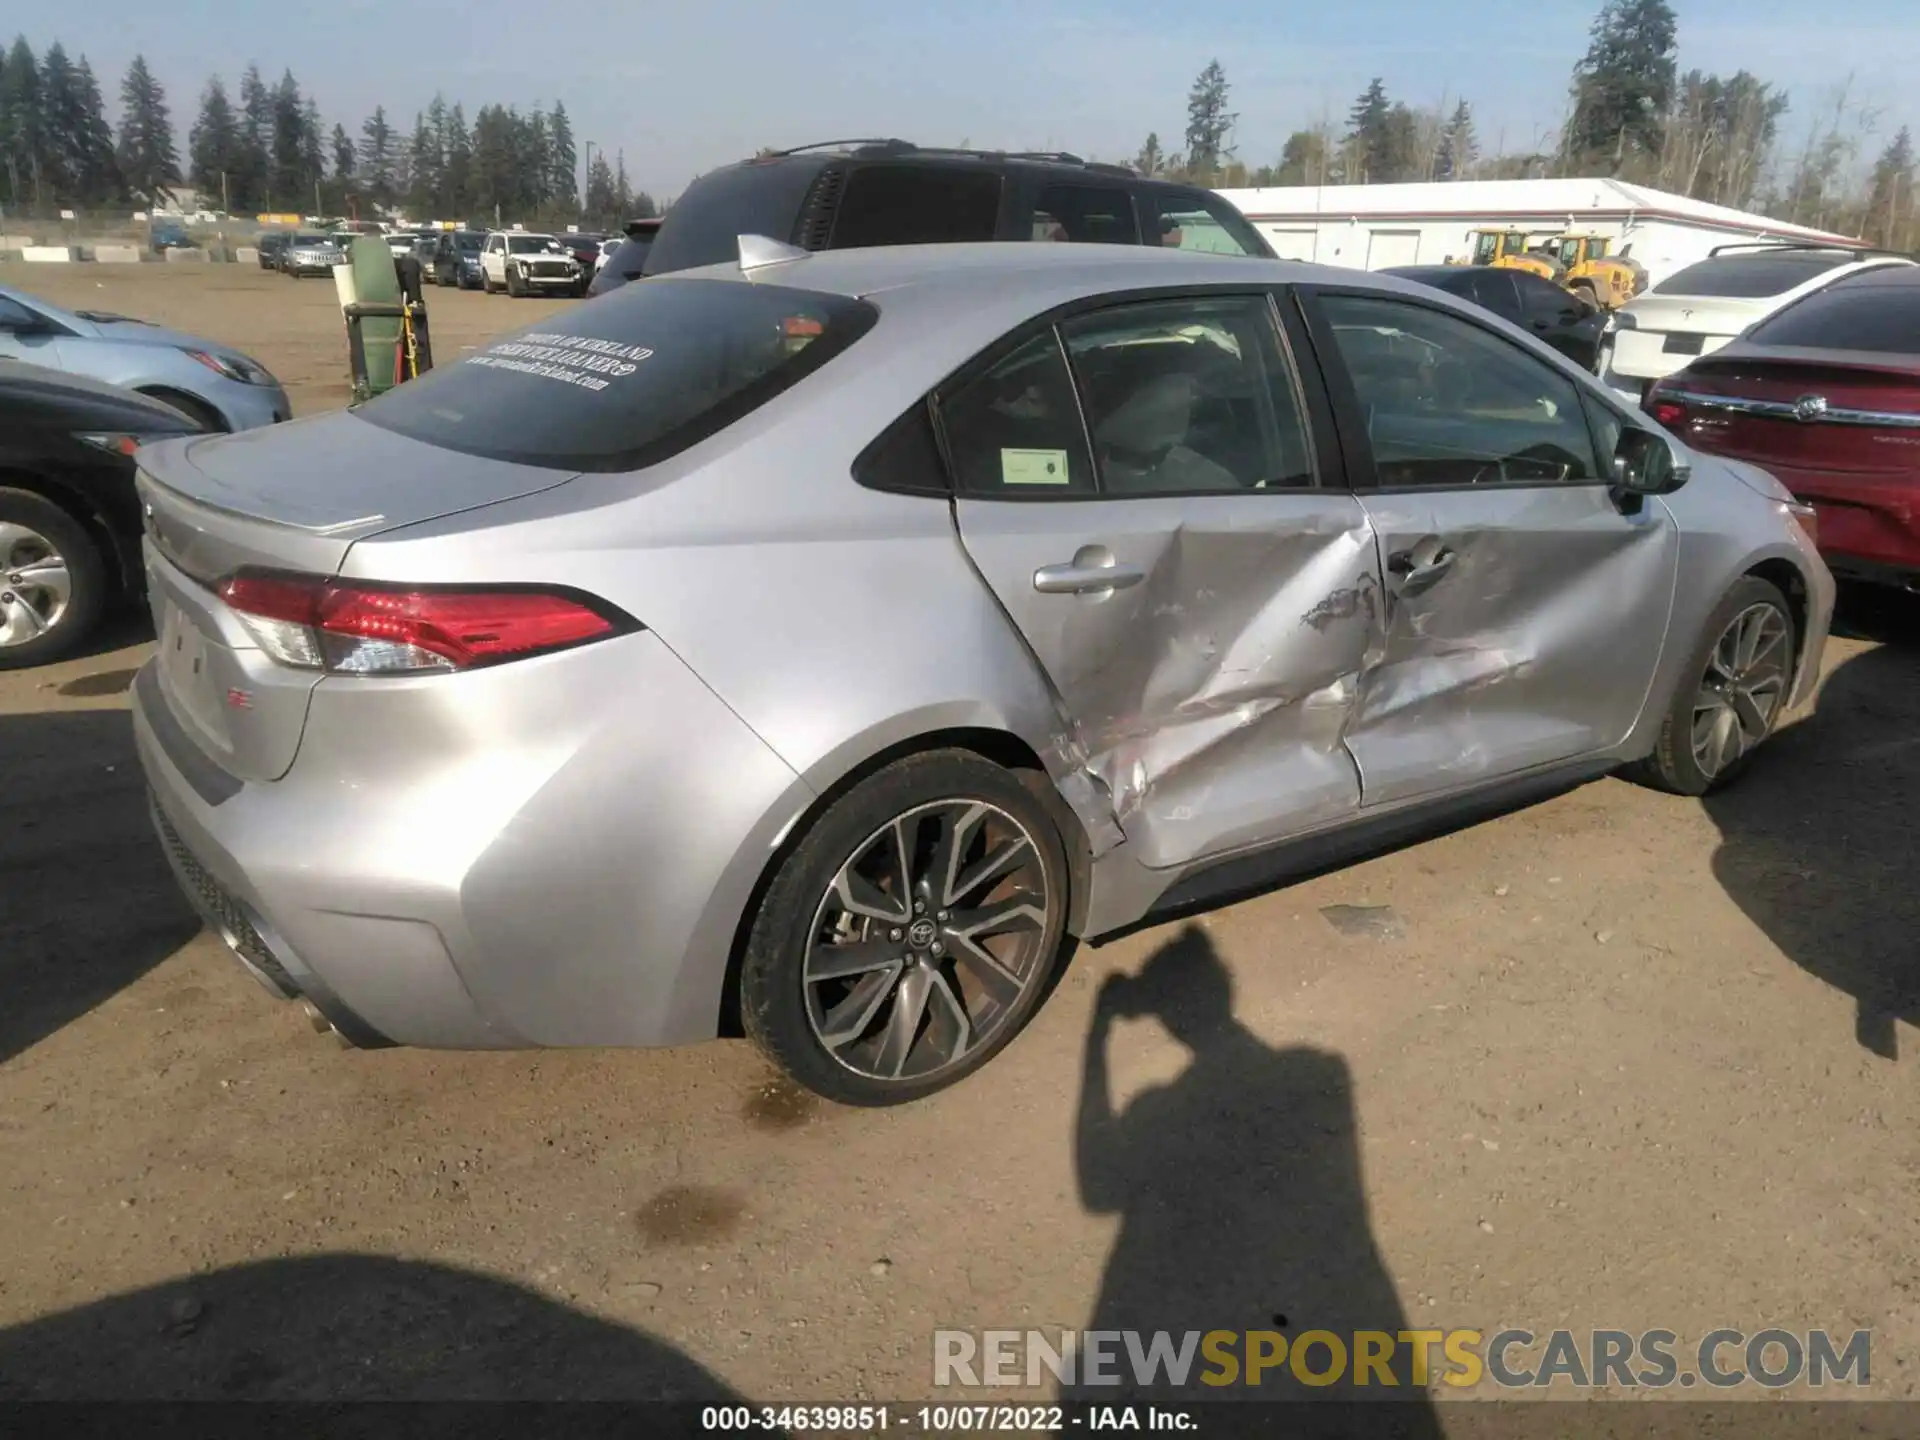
(1526, 605)
(1202, 604)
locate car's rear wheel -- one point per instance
(910, 934)
(1732, 696)
(53, 581)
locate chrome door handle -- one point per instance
(1076, 579)
(1420, 568)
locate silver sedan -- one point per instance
(212, 384)
(812, 644)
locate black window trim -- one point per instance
(1362, 469)
(1325, 478)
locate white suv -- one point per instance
(521, 263)
(1702, 306)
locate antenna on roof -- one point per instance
(757, 252)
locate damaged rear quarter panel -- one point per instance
(1208, 702)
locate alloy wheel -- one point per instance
(927, 940)
(36, 585)
(1743, 687)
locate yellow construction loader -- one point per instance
(1589, 268)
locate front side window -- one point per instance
(1448, 404)
(1188, 397)
(627, 381)
(917, 205)
(1184, 221)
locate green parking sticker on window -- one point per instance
(1033, 467)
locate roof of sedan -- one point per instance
(993, 266)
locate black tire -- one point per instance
(1673, 766)
(86, 568)
(773, 991)
(513, 289)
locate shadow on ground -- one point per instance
(87, 904)
(1817, 840)
(1241, 1200)
(346, 1328)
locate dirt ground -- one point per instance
(1621, 1060)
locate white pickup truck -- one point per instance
(522, 263)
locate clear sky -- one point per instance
(681, 87)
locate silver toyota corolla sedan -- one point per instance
(812, 644)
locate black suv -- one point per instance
(844, 194)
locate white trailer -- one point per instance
(1370, 227)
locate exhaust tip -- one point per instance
(321, 1025)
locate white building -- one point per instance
(1370, 227)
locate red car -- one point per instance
(1825, 395)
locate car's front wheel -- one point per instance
(1731, 695)
(911, 932)
(53, 581)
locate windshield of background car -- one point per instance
(469, 244)
(530, 244)
(705, 224)
(1883, 319)
(1749, 277)
(627, 381)
(312, 241)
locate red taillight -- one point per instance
(1665, 409)
(365, 628)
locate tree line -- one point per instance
(1631, 114)
(271, 151)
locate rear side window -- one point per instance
(1880, 318)
(629, 380)
(1014, 432)
(1750, 277)
(917, 205)
(1086, 215)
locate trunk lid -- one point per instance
(1847, 414)
(289, 497)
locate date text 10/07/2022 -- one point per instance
(942, 1419)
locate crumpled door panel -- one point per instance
(1208, 701)
(1538, 644)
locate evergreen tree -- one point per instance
(644, 206)
(1151, 160)
(563, 185)
(459, 173)
(213, 146)
(1459, 147)
(622, 190)
(1370, 134)
(22, 125)
(1890, 197)
(377, 157)
(423, 167)
(600, 206)
(59, 103)
(535, 160)
(149, 162)
(343, 154)
(96, 171)
(253, 175)
(1209, 123)
(1623, 86)
(291, 184)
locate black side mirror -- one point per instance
(1645, 463)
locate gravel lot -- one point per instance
(1621, 1060)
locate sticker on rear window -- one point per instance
(1033, 467)
(579, 360)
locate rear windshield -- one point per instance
(705, 224)
(1750, 277)
(626, 381)
(1880, 318)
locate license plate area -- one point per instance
(188, 665)
(1682, 345)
